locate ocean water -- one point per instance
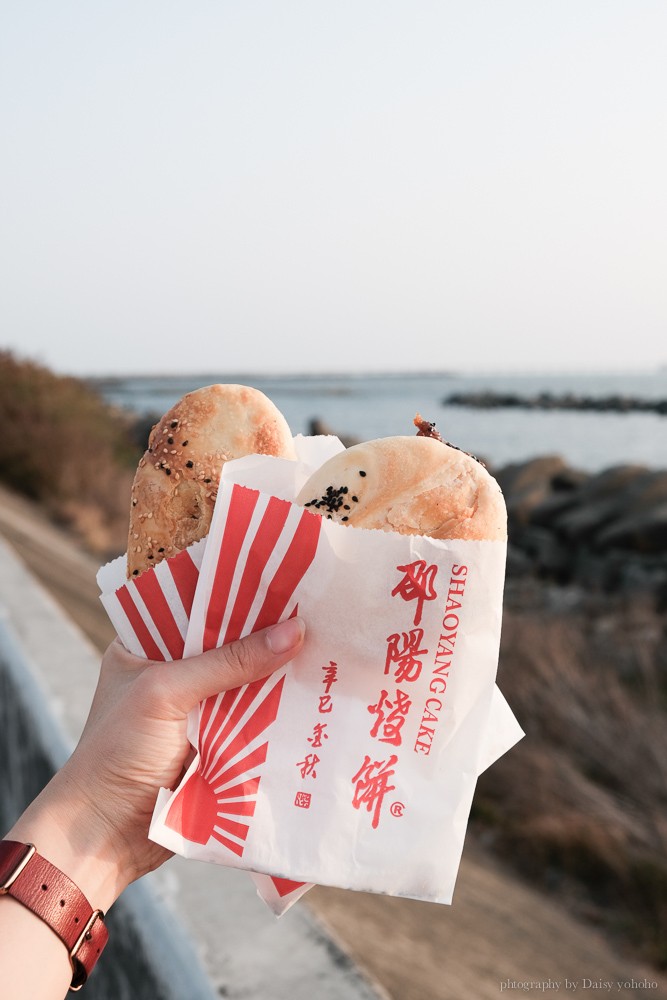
(369, 406)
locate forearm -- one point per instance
(34, 961)
(92, 820)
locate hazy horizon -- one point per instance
(358, 373)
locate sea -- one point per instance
(366, 406)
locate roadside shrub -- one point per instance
(64, 447)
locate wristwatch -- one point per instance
(42, 888)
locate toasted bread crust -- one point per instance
(176, 483)
(411, 485)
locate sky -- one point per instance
(368, 185)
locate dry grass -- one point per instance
(63, 446)
(581, 804)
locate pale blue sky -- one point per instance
(367, 185)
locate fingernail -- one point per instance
(286, 635)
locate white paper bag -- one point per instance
(354, 766)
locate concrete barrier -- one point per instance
(188, 931)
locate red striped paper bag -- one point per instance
(151, 616)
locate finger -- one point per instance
(191, 680)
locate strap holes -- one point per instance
(76, 920)
(44, 888)
(62, 902)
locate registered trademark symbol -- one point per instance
(397, 809)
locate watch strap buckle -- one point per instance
(11, 877)
(79, 974)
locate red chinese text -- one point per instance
(403, 650)
(372, 784)
(391, 715)
(307, 766)
(417, 585)
(318, 735)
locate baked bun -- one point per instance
(176, 484)
(411, 485)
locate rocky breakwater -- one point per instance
(606, 532)
(486, 399)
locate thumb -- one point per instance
(240, 662)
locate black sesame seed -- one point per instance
(135, 572)
(207, 480)
(356, 499)
(150, 556)
(185, 443)
(345, 519)
(174, 423)
(160, 550)
(361, 472)
(134, 503)
(168, 471)
(189, 464)
(170, 440)
(346, 506)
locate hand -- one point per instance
(92, 820)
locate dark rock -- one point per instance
(569, 479)
(520, 476)
(603, 533)
(546, 513)
(141, 428)
(621, 513)
(519, 563)
(317, 426)
(525, 485)
(549, 555)
(646, 491)
(600, 500)
(644, 531)
(582, 522)
(610, 482)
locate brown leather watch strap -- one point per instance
(54, 898)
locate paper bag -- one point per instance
(356, 765)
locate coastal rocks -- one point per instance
(614, 403)
(605, 532)
(528, 485)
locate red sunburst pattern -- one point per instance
(213, 802)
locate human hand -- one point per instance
(92, 820)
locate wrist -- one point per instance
(67, 831)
